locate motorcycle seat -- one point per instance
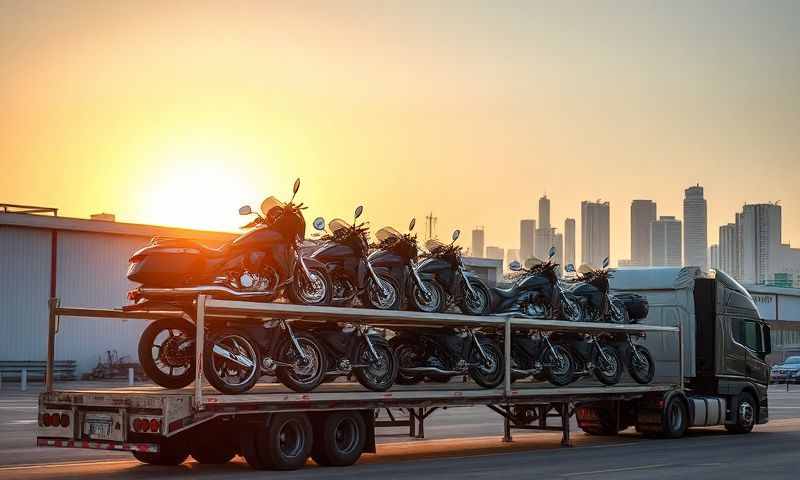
(205, 251)
(505, 292)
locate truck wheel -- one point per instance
(675, 418)
(282, 444)
(339, 439)
(745, 414)
(172, 452)
(212, 447)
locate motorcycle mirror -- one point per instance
(245, 210)
(359, 211)
(514, 266)
(456, 234)
(605, 262)
(319, 224)
(411, 225)
(570, 268)
(552, 252)
(295, 189)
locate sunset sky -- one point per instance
(177, 113)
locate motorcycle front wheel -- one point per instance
(303, 374)
(559, 369)
(314, 289)
(433, 302)
(571, 309)
(608, 366)
(642, 367)
(617, 312)
(232, 363)
(488, 372)
(166, 352)
(383, 297)
(380, 373)
(476, 301)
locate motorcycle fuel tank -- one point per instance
(333, 252)
(433, 265)
(385, 258)
(259, 238)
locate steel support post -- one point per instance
(200, 322)
(51, 344)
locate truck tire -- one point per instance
(675, 418)
(746, 412)
(598, 420)
(339, 439)
(211, 446)
(282, 444)
(172, 452)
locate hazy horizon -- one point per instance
(177, 113)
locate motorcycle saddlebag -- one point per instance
(636, 305)
(166, 266)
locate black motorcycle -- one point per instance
(354, 274)
(638, 359)
(260, 265)
(537, 293)
(533, 354)
(591, 290)
(592, 354)
(447, 352)
(448, 281)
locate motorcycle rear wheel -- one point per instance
(302, 376)
(161, 369)
(407, 352)
(377, 376)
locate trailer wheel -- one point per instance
(598, 420)
(212, 447)
(282, 444)
(745, 414)
(339, 439)
(675, 418)
(172, 452)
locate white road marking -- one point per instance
(62, 465)
(615, 470)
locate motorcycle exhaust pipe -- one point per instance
(218, 291)
(532, 371)
(431, 370)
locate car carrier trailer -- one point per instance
(274, 428)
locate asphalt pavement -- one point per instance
(460, 442)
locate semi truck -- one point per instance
(708, 341)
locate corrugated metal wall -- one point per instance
(91, 273)
(24, 290)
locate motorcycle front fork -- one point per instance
(636, 354)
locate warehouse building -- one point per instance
(82, 262)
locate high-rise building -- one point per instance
(695, 228)
(544, 212)
(643, 213)
(544, 240)
(527, 229)
(729, 250)
(477, 242)
(761, 241)
(495, 253)
(558, 242)
(595, 232)
(569, 241)
(665, 242)
(713, 256)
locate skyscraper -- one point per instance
(729, 250)
(761, 241)
(544, 212)
(713, 256)
(527, 229)
(643, 213)
(695, 231)
(665, 242)
(595, 232)
(495, 253)
(558, 242)
(544, 240)
(477, 242)
(569, 241)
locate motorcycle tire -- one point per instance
(299, 295)
(301, 377)
(611, 373)
(565, 374)
(481, 304)
(407, 352)
(148, 363)
(486, 375)
(372, 299)
(380, 377)
(215, 367)
(641, 372)
(618, 313)
(435, 304)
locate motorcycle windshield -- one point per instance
(337, 224)
(432, 245)
(269, 203)
(387, 233)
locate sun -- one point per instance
(202, 185)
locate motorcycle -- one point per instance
(592, 354)
(591, 290)
(354, 273)
(262, 264)
(533, 354)
(447, 353)
(536, 292)
(443, 273)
